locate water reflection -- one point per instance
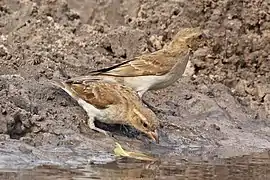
(256, 166)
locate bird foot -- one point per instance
(93, 127)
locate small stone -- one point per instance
(36, 117)
(216, 127)
(262, 90)
(4, 137)
(4, 111)
(190, 69)
(24, 149)
(64, 103)
(238, 127)
(267, 103)
(240, 88)
(188, 96)
(156, 41)
(3, 51)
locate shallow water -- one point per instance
(255, 166)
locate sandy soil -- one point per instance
(222, 109)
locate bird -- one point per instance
(155, 70)
(112, 103)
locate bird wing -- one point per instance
(99, 95)
(86, 79)
(151, 64)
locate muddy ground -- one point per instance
(220, 108)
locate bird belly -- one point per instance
(144, 83)
(172, 76)
(110, 115)
(163, 81)
(92, 111)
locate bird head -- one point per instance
(145, 121)
(188, 37)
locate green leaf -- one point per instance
(119, 151)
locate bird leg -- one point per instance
(93, 127)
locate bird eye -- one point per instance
(144, 125)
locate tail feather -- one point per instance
(92, 79)
(66, 87)
(85, 79)
(58, 83)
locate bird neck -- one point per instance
(179, 44)
(176, 49)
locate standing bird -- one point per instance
(112, 103)
(156, 70)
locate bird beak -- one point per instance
(154, 135)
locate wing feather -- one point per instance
(151, 64)
(97, 94)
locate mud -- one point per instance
(222, 109)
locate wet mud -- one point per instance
(220, 108)
(254, 167)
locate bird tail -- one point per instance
(66, 87)
(58, 83)
(80, 79)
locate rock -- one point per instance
(262, 90)
(266, 103)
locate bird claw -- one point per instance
(101, 131)
(93, 127)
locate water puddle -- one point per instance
(255, 166)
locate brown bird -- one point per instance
(112, 103)
(156, 70)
